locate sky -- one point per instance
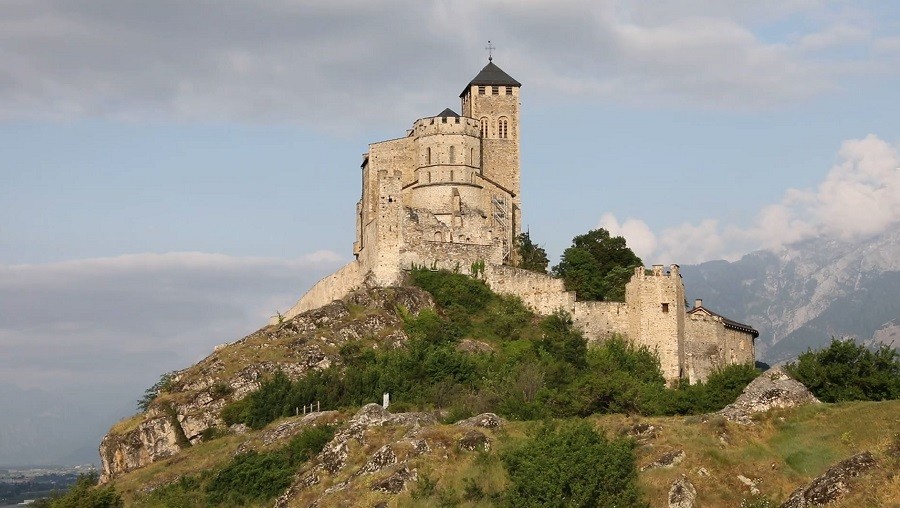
(172, 173)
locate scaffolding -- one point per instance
(501, 218)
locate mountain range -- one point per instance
(803, 294)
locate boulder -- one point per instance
(832, 484)
(484, 420)
(682, 494)
(773, 388)
(666, 460)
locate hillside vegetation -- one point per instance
(473, 352)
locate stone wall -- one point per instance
(600, 320)
(657, 315)
(541, 293)
(331, 288)
(704, 346)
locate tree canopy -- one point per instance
(531, 255)
(597, 266)
(846, 370)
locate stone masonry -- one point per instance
(447, 196)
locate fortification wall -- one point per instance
(331, 288)
(739, 347)
(542, 293)
(445, 255)
(703, 346)
(600, 320)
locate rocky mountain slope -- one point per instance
(190, 405)
(803, 294)
(770, 443)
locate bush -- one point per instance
(83, 494)
(257, 476)
(846, 370)
(572, 466)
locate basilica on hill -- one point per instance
(446, 195)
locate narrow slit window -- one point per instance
(452, 155)
(665, 308)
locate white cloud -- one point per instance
(859, 198)
(137, 315)
(636, 232)
(328, 63)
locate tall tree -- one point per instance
(531, 255)
(597, 266)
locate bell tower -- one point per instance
(492, 99)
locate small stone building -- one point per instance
(447, 195)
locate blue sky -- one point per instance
(171, 173)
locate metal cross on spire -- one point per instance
(490, 48)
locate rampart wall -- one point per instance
(541, 293)
(331, 288)
(600, 320)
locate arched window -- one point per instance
(502, 128)
(484, 127)
(428, 155)
(452, 154)
(438, 237)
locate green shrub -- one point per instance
(846, 370)
(83, 494)
(253, 476)
(572, 466)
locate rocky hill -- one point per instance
(802, 295)
(769, 444)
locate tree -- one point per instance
(597, 266)
(572, 466)
(84, 494)
(846, 370)
(531, 255)
(150, 394)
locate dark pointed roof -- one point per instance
(447, 113)
(491, 75)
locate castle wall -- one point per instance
(704, 346)
(739, 347)
(600, 320)
(328, 289)
(456, 257)
(541, 293)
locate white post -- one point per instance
(386, 400)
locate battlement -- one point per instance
(431, 126)
(642, 272)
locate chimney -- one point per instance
(698, 303)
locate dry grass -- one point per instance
(784, 450)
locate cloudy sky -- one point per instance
(172, 172)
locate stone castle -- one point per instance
(446, 195)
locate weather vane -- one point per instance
(490, 48)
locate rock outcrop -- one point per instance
(773, 388)
(832, 484)
(192, 403)
(682, 494)
(382, 449)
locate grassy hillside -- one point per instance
(782, 451)
(471, 351)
